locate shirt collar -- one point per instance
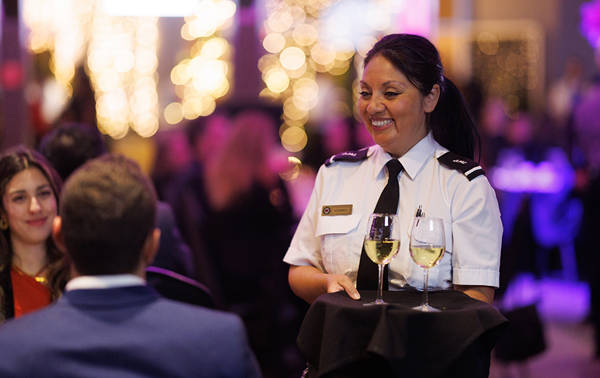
(104, 281)
(413, 160)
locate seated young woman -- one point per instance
(32, 269)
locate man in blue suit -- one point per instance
(109, 323)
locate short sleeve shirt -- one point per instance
(333, 243)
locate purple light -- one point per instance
(529, 177)
(590, 22)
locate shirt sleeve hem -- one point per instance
(476, 277)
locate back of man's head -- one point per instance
(70, 145)
(108, 210)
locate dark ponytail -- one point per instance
(451, 123)
(418, 59)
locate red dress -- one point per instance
(28, 294)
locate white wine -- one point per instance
(381, 252)
(426, 256)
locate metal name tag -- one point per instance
(328, 210)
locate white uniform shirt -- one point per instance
(469, 209)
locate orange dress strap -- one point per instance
(28, 294)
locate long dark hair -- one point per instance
(418, 59)
(12, 162)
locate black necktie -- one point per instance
(388, 204)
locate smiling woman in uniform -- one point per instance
(32, 270)
(417, 116)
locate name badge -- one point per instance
(328, 210)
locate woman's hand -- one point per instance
(482, 293)
(339, 282)
(308, 283)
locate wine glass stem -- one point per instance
(380, 286)
(426, 291)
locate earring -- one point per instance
(3, 223)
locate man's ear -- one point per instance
(151, 247)
(431, 100)
(57, 234)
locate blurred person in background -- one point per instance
(33, 271)
(493, 124)
(187, 193)
(173, 155)
(534, 180)
(69, 145)
(246, 230)
(563, 96)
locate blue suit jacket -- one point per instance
(125, 332)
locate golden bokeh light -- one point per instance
(277, 80)
(204, 76)
(292, 58)
(294, 139)
(321, 54)
(266, 62)
(274, 42)
(305, 34)
(291, 111)
(173, 113)
(215, 48)
(280, 21)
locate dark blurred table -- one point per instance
(340, 337)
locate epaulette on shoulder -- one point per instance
(351, 156)
(468, 167)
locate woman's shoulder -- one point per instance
(455, 162)
(352, 158)
(355, 156)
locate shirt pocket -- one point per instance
(341, 243)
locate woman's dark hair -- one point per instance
(420, 62)
(12, 162)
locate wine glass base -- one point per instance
(426, 308)
(376, 302)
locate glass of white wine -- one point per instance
(427, 246)
(381, 244)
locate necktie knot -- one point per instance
(394, 167)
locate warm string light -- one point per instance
(305, 39)
(60, 28)
(122, 62)
(121, 54)
(294, 57)
(511, 62)
(204, 76)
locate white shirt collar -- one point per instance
(413, 160)
(104, 281)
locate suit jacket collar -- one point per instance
(115, 297)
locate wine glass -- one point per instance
(427, 245)
(381, 245)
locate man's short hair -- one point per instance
(70, 145)
(108, 209)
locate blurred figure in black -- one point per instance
(246, 228)
(173, 155)
(187, 194)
